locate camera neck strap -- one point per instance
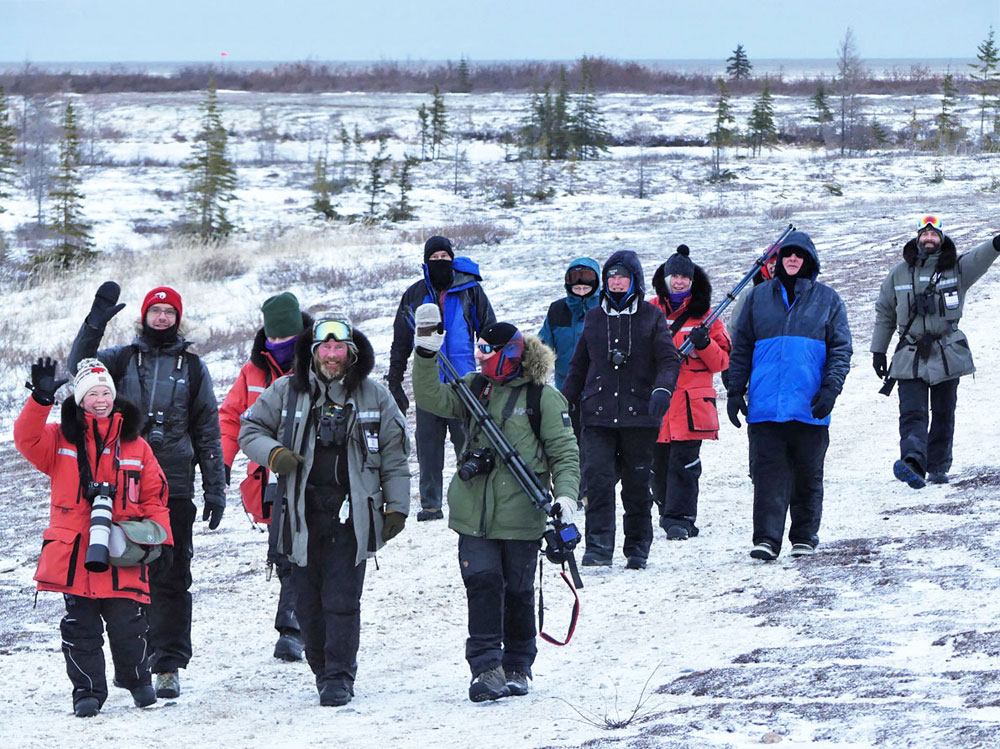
(83, 462)
(574, 616)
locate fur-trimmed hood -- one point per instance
(257, 356)
(538, 360)
(947, 254)
(355, 375)
(700, 301)
(72, 422)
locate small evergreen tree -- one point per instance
(822, 115)
(739, 66)
(70, 232)
(761, 129)
(987, 76)
(535, 134)
(588, 133)
(322, 189)
(345, 151)
(403, 210)
(439, 123)
(724, 132)
(359, 144)
(376, 178)
(947, 120)
(464, 84)
(8, 154)
(880, 133)
(212, 176)
(423, 116)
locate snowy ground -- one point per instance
(888, 636)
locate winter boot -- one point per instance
(517, 682)
(143, 696)
(937, 477)
(802, 550)
(168, 685)
(635, 563)
(764, 551)
(909, 473)
(591, 559)
(430, 514)
(335, 694)
(289, 647)
(489, 685)
(677, 533)
(87, 707)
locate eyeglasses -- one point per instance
(929, 221)
(583, 276)
(323, 330)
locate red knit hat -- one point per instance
(163, 295)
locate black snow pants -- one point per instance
(930, 448)
(674, 482)
(431, 431)
(169, 590)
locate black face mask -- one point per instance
(441, 273)
(160, 337)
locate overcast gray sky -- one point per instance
(200, 30)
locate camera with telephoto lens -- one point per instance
(617, 357)
(560, 540)
(475, 463)
(101, 496)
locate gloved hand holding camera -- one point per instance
(564, 508)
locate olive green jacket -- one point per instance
(947, 350)
(494, 505)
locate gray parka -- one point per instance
(377, 450)
(947, 353)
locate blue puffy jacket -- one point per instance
(564, 321)
(783, 353)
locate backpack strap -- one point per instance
(535, 408)
(194, 378)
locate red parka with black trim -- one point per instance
(254, 378)
(142, 493)
(693, 414)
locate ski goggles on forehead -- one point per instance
(930, 221)
(324, 330)
(581, 275)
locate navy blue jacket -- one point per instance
(465, 311)
(617, 396)
(564, 321)
(783, 353)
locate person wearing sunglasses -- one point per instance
(337, 441)
(499, 529)
(271, 356)
(452, 283)
(173, 388)
(922, 300)
(791, 353)
(621, 378)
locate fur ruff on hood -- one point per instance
(260, 343)
(538, 360)
(72, 424)
(701, 291)
(947, 258)
(356, 373)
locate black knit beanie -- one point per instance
(679, 264)
(437, 243)
(499, 333)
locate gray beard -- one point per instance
(330, 374)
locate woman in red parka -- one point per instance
(684, 293)
(271, 357)
(96, 442)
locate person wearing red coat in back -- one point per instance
(271, 357)
(684, 294)
(104, 478)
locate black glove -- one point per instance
(699, 337)
(396, 388)
(822, 403)
(881, 365)
(724, 374)
(105, 305)
(213, 512)
(229, 474)
(392, 525)
(735, 406)
(43, 383)
(164, 562)
(659, 404)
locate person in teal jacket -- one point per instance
(564, 320)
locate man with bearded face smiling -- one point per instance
(452, 283)
(499, 528)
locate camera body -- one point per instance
(617, 357)
(476, 462)
(101, 495)
(560, 540)
(157, 430)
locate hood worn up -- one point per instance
(700, 301)
(802, 241)
(73, 425)
(356, 373)
(946, 252)
(466, 274)
(630, 261)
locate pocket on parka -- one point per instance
(702, 413)
(60, 551)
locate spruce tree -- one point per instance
(70, 232)
(376, 179)
(724, 132)
(821, 115)
(212, 176)
(403, 211)
(464, 84)
(761, 129)
(535, 133)
(439, 123)
(423, 116)
(345, 151)
(359, 143)
(560, 140)
(739, 66)
(8, 154)
(947, 120)
(322, 189)
(987, 76)
(589, 135)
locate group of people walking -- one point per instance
(328, 444)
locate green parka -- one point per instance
(377, 449)
(947, 350)
(494, 505)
